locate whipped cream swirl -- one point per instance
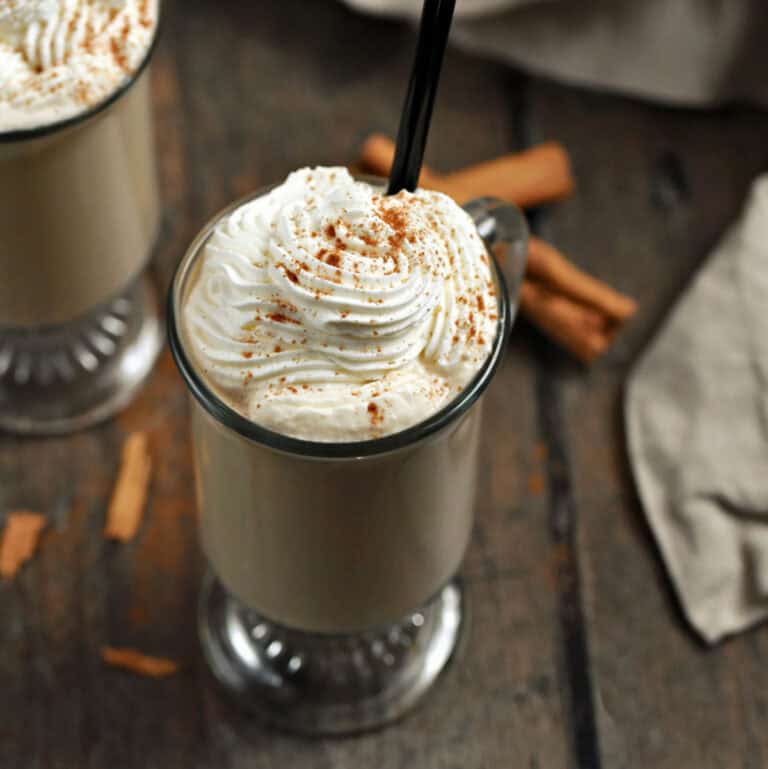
(326, 311)
(61, 57)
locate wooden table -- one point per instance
(577, 655)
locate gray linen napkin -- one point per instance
(684, 51)
(697, 424)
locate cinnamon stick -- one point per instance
(538, 175)
(136, 662)
(547, 265)
(579, 312)
(583, 331)
(20, 538)
(130, 493)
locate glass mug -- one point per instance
(331, 603)
(79, 215)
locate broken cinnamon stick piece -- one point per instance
(546, 264)
(538, 175)
(136, 662)
(22, 532)
(130, 493)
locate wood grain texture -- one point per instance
(577, 656)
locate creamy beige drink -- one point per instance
(79, 206)
(79, 210)
(339, 545)
(337, 342)
(326, 312)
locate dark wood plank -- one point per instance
(575, 661)
(657, 187)
(563, 529)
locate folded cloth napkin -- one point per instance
(692, 52)
(697, 424)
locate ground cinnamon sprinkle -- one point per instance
(118, 46)
(278, 348)
(375, 414)
(88, 38)
(81, 92)
(247, 354)
(118, 55)
(144, 18)
(71, 27)
(395, 241)
(330, 232)
(287, 306)
(278, 317)
(397, 221)
(333, 259)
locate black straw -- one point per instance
(436, 20)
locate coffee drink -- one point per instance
(337, 341)
(79, 207)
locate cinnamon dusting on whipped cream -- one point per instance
(59, 58)
(363, 314)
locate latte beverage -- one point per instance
(79, 208)
(337, 341)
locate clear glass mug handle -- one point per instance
(504, 230)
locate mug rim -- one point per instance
(232, 419)
(46, 129)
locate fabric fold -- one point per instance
(692, 52)
(697, 424)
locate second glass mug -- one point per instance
(79, 216)
(331, 603)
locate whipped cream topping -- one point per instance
(327, 311)
(61, 57)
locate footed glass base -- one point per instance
(327, 684)
(62, 378)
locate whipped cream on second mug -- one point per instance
(327, 311)
(61, 57)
